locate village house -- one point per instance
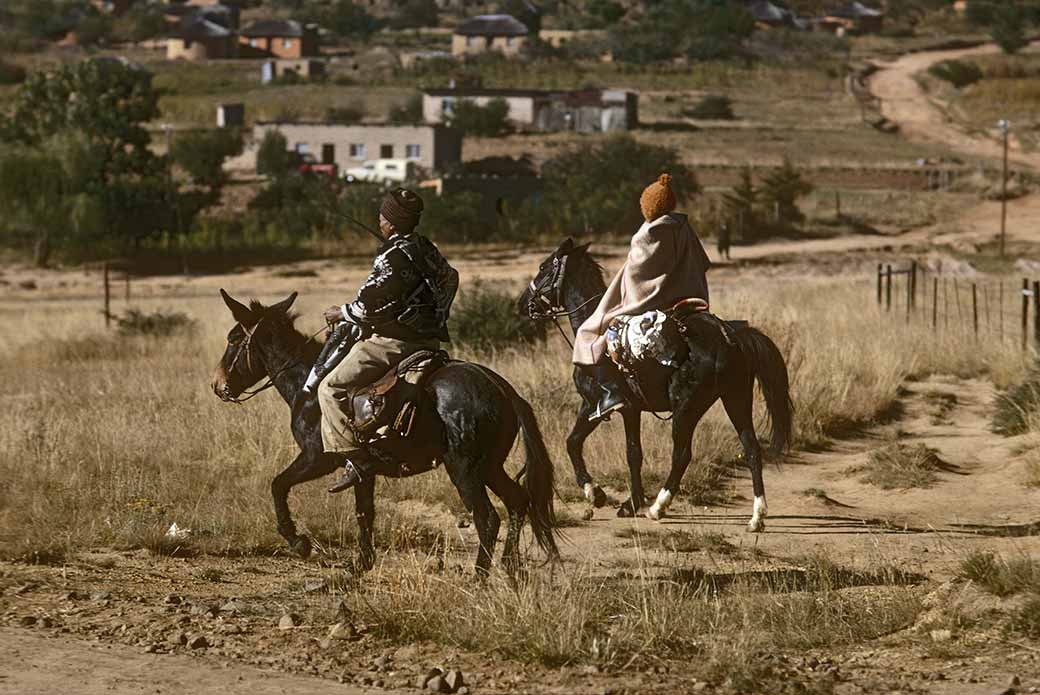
(586, 111)
(278, 38)
(304, 68)
(433, 148)
(197, 38)
(489, 32)
(113, 7)
(853, 18)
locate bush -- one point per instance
(455, 218)
(272, 158)
(1000, 576)
(710, 30)
(416, 13)
(482, 121)
(201, 153)
(484, 318)
(157, 324)
(345, 115)
(11, 73)
(713, 106)
(957, 73)
(1019, 405)
(409, 112)
(1009, 28)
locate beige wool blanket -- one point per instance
(666, 263)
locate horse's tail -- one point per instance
(539, 478)
(768, 366)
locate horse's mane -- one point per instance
(286, 321)
(582, 252)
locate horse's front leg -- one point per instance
(306, 466)
(634, 452)
(575, 447)
(365, 509)
(683, 424)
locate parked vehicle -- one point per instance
(382, 171)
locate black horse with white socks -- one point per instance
(723, 362)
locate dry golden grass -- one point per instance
(107, 440)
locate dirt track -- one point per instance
(904, 102)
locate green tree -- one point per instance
(608, 12)
(596, 187)
(272, 157)
(1009, 28)
(482, 121)
(411, 111)
(781, 191)
(710, 30)
(741, 205)
(416, 13)
(201, 153)
(146, 23)
(344, 18)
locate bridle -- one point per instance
(546, 301)
(244, 348)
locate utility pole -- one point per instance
(1004, 126)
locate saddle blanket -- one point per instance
(647, 336)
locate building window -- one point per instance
(287, 43)
(187, 44)
(447, 107)
(386, 151)
(303, 148)
(253, 43)
(412, 151)
(509, 40)
(469, 41)
(357, 150)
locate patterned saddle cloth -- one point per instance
(387, 407)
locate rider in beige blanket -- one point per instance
(666, 263)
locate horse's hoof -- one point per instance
(599, 498)
(655, 514)
(302, 547)
(364, 562)
(756, 526)
(627, 510)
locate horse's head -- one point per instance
(241, 365)
(544, 296)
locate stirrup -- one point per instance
(351, 477)
(604, 415)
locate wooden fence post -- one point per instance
(975, 308)
(935, 303)
(108, 299)
(957, 300)
(888, 287)
(1036, 314)
(126, 280)
(1025, 313)
(913, 283)
(1001, 316)
(946, 305)
(879, 272)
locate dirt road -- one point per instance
(904, 102)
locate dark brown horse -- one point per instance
(719, 366)
(469, 421)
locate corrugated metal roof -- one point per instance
(492, 25)
(273, 27)
(197, 29)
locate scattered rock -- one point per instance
(100, 595)
(288, 621)
(203, 609)
(177, 638)
(46, 622)
(172, 600)
(437, 685)
(27, 620)
(427, 677)
(198, 642)
(27, 284)
(381, 662)
(454, 680)
(344, 631)
(941, 635)
(588, 514)
(314, 585)
(700, 686)
(464, 690)
(71, 596)
(462, 522)
(232, 606)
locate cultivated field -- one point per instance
(872, 575)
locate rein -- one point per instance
(546, 301)
(245, 348)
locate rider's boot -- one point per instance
(612, 398)
(356, 468)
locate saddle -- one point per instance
(387, 407)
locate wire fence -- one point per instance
(990, 308)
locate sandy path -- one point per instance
(904, 102)
(34, 665)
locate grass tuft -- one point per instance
(1000, 576)
(898, 466)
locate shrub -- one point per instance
(901, 467)
(1027, 619)
(482, 121)
(11, 73)
(345, 115)
(416, 13)
(957, 73)
(408, 112)
(202, 153)
(1018, 405)
(484, 318)
(272, 158)
(713, 106)
(157, 324)
(1009, 28)
(455, 218)
(1000, 576)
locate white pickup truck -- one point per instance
(382, 171)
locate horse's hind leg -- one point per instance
(517, 501)
(575, 446)
(634, 453)
(365, 511)
(466, 475)
(304, 467)
(737, 401)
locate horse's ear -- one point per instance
(239, 310)
(283, 306)
(582, 249)
(565, 247)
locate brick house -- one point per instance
(489, 32)
(434, 148)
(196, 38)
(278, 38)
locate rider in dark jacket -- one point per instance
(400, 309)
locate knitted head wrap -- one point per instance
(658, 198)
(402, 207)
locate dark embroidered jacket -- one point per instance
(409, 292)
